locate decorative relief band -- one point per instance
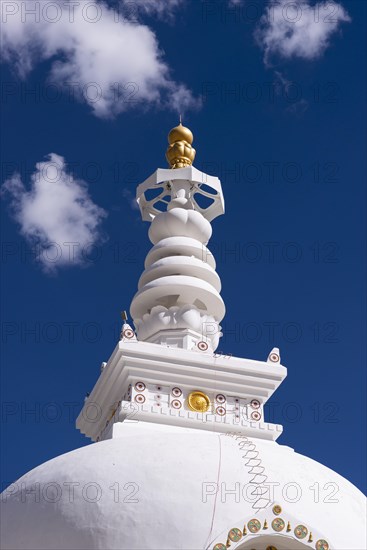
(254, 526)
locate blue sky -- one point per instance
(277, 112)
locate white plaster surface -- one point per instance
(163, 469)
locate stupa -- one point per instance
(182, 456)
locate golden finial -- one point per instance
(310, 539)
(265, 525)
(180, 153)
(289, 527)
(244, 532)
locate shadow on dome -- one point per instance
(273, 542)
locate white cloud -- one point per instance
(56, 215)
(103, 56)
(298, 29)
(283, 86)
(127, 194)
(164, 9)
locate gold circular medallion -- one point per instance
(301, 531)
(254, 525)
(277, 509)
(198, 401)
(235, 534)
(278, 524)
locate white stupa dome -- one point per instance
(154, 487)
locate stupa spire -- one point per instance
(165, 371)
(178, 301)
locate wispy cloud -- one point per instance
(163, 9)
(235, 3)
(298, 29)
(104, 56)
(56, 214)
(283, 86)
(127, 194)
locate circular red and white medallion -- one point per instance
(203, 346)
(220, 398)
(139, 398)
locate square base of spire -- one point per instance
(174, 386)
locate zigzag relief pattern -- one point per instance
(252, 460)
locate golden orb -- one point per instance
(180, 152)
(180, 133)
(198, 401)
